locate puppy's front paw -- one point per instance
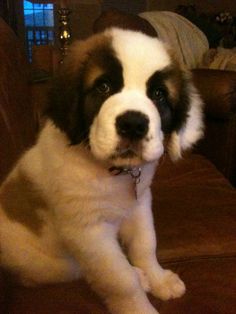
(169, 286)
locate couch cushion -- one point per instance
(194, 209)
(70, 298)
(210, 284)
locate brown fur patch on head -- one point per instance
(21, 202)
(173, 89)
(93, 72)
(179, 76)
(81, 51)
(176, 82)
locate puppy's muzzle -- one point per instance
(132, 125)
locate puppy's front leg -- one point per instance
(138, 235)
(105, 267)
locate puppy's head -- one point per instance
(120, 93)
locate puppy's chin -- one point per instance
(129, 159)
(127, 154)
(127, 162)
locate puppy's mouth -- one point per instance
(128, 153)
(128, 149)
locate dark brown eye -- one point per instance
(103, 88)
(158, 95)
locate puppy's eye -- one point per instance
(158, 95)
(103, 88)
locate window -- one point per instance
(39, 24)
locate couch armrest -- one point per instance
(219, 146)
(218, 90)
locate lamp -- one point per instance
(64, 28)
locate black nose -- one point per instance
(132, 125)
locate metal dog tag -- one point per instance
(136, 176)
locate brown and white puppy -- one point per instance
(62, 212)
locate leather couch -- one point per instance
(194, 203)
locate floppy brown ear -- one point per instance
(193, 128)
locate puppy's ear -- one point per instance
(191, 130)
(63, 102)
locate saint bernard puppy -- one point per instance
(78, 203)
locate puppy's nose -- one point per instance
(132, 125)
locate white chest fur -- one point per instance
(78, 187)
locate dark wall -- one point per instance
(8, 13)
(131, 6)
(206, 6)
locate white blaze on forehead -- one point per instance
(134, 49)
